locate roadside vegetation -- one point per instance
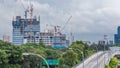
(11, 55)
(113, 63)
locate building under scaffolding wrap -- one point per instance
(21, 30)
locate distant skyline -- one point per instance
(91, 19)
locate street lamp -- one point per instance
(81, 53)
(38, 56)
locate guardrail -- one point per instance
(86, 61)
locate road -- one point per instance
(102, 60)
(91, 62)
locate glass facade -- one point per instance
(117, 36)
(22, 29)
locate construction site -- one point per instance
(27, 30)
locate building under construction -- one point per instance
(22, 31)
(27, 30)
(23, 34)
(54, 37)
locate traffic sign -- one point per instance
(51, 62)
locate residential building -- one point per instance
(6, 38)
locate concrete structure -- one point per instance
(60, 40)
(53, 37)
(105, 42)
(91, 62)
(56, 41)
(21, 30)
(114, 48)
(6, 38)
(117, 36)
(46, 38)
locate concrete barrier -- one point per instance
(86, 61)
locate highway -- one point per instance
(91, 62)
(103, 59)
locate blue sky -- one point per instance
(91, 19)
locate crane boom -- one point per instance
(26, 9)
(22, 5)
(66, 23)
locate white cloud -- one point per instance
(89, 17)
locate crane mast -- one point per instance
(30, 10)
(31, 21)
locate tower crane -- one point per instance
(31, 21)
(26, 9)
(57, 28)
(30, 10)
(66, 23)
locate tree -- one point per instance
(107, 66)
(3, 57)
(69, 58)
(10, 55)
(31, 61)
(15, 55)
(81, 49)
(52, 54)
(113, 62)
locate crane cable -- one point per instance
(66, 23)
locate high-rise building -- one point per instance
(105, 41)
(25, 30)
(22, 34)
(117, 36)
(6, 38)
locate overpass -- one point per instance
(98, 60)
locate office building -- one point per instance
(117, 36)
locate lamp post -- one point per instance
(38, 56)
(81, 53)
